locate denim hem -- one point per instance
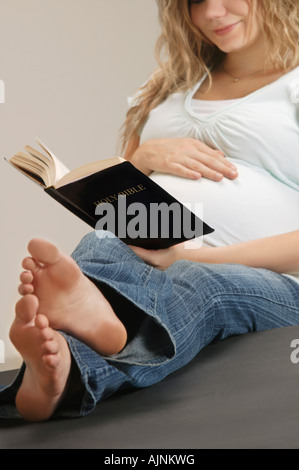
(163, 348)
(88, 402)
(139, 288)
(8, 408)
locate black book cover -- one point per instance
(123, 200)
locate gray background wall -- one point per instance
(68, 68)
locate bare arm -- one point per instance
(279, 253)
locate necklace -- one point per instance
(237, 79)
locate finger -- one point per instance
(184, 171)
(216, 154)
(227, 173)
(213, 160)
(218, 162)
(141, 252)
(196, 166)
(149, 256)
(209, 167)
(202, 147)
(216, 172)
(138, 250)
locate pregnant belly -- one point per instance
(255, 205)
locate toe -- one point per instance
(51, 360)
(42, 322)
(30, 264)
(43, 251)
(26, 277)
(25, 289)
(26, 308)
(50, 347)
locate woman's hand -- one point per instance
(159, 259)
(190, 250)
(185, 157)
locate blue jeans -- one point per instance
(170, 316)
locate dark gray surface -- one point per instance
(242, 393)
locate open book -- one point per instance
(107, 194)
(47, 170)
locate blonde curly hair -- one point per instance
(184, 55)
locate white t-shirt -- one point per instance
(260, 135)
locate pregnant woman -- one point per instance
(217, 124)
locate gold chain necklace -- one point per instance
(237, 79)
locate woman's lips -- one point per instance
(226, 29)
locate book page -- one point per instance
(60, 168)
(32, 176)
(87, 170)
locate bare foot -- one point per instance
(47, 358)
(70, 301)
